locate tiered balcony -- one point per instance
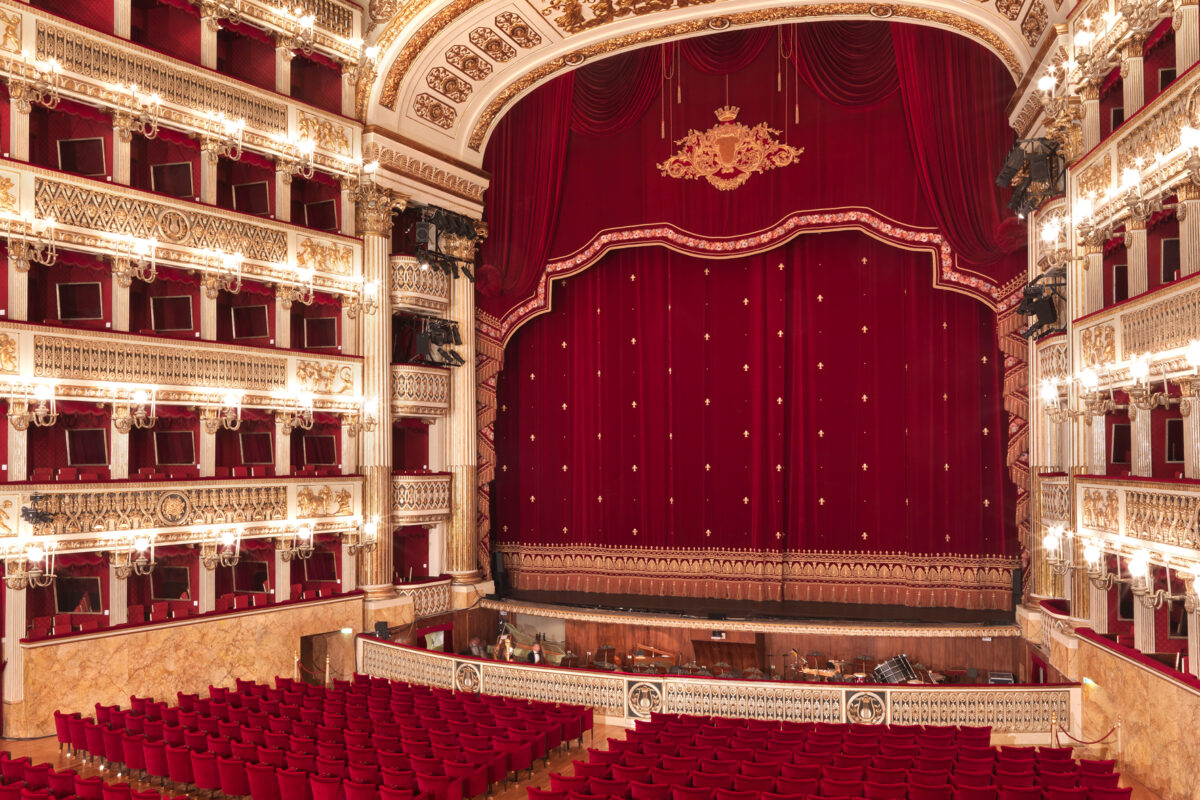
(421, 499)
(1131, 514)
(420, 391)
(424, 291)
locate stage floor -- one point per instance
(783, 611)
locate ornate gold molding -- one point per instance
(373, 209)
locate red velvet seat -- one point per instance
(1078, 793)
(353, 790)
(116, 791)
(917, 791)
(1099, 780)
(888, 775)
(62, 784)
(645, 791)
(753, 783)
(884, 791)
(691, 793)
(88, 788)
(712, 780)
(976, 793)
(646, 760)
(37, 776)
(293, 784)
(327, 787)
(831, 787)
(605, 786)
(263, 783)
(232, 774)
(797, 785)
(1111, 793)
(761, 768)
(1093, 767)
(1020, 793)
(562, 783)
(398, 778)
(204, 772)
(473, 777)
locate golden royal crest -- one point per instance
(729, 152)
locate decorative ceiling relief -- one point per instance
(468, 61)
(518, 30)
(446, 82)
(430, 108)
(728, 153)
(575, 16)
(492, 45)
(1035, 22)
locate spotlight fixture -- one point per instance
(1036, 170)
(1038, 301)
(434, 341)
(435, 223)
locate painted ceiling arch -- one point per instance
(450, 69)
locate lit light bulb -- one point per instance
(1189, 137)
(233, 399)
(1046, 83)
(227, 538)
(1050, 542)
(141, 544)
(1130, 178)
(1089, 379)
(1084, 209)
(1091, 553)
(43, 391)
(1139, 368)
(1192, 354)
(1139, 563)
(305, 533)
(1049, 393)
(140, 397)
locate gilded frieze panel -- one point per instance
(429, 107)
(518, 30)
(1163, 325)
(492, 45)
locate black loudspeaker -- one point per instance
(1017, 586)
(423, 233)
(499, 575)
(382, 632)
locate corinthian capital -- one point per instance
(373, 207)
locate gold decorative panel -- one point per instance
(322, 256)
(1101, 510)
(10, 32)
(417, 499)
(168, 506)
(575, 16)
(430, 108)
(468, 61)
(492, 45)
(445, 82)
(420, 391)
(325, 133)
(137, 361)
(1162, 518)
(9, 357)
(1055, 498)
(1034, 23)
(326, 501)
(1099, 345)
(429, 599)
(1009, 711)
(331, 16)
(518, 30)
(95, 58)
(1168, 323)
(322, 377)
(94, 209)
(416, 288)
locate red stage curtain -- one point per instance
(613, 93)
(724, 53)
(529, 152)
(848, 63)
(748, 408)
(955, 93)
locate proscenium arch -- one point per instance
(416, 40)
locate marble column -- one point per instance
(18, 120)
(206, 455)
(1098, 608)
(283, 193)
(462, 538)
(122, 145)
(375, 207)
(1093, 279)
(1193, 621)
(1188, 214)
(1097, 434)
(209, 25)
(283, 449)
(283, 577)
(208, 307)
(1133, 79)
(1187, 35)
(1143, 627)
(209, 159)
(1138, 268)
(208, 590)
(118, 597)
(1140, 436)
(283, 66)
(1091, 115)
(1189, 389)
(14, 629)
(121, 19)
(118, 456)
(18, 292)
(283, 320)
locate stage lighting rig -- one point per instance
(1036, 170)
(434, 341)
(1038, 301)
(436, 223)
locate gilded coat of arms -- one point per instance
(727, 154)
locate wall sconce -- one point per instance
(226, 275)
(30, 241)
(134, 556)
(297, 546)
(299, 292)
(302, 38)
(1141, 574)
(136, 258)
(226, 139)
(222, 550)
(143, 109)
(364, 538)
(1097, 571)
(299, 418)
(366, 301)
(1058, 543)
(364, 421)
(137, 414)
(36, 406)
(29, 564)
(46, 83)
(365, 63)
(230, 414)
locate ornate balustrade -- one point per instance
(420, 391)
(87, 516)
(94, 365)
(95, 216)
(1052, 358)
(335, 24)
(1161, 517)
(1161, 323)
(429, 599)
(422, 290)
(94, 64)
(1054, 495)
(421, 499)
(1020, 710)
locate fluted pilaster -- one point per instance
(1138, 263)
(374, 208)
(122, 144)
(1098, 608)
(18, 120)
(118, 598)
(1141, 442)
(118, 453)
(1133, 76)
(1091, 115)
(1144, 638)
(462, 541)
(1189, 390)
(1093, 279)
(1188, 213)
(209, 25)
(1098, 449)
(1186, 23)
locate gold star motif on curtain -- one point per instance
(564, 528)
(745, 501)
(745, 367)
(564, 467)
(635, 467)
(864, 535)
(532, 498)
(633, 340)
(706, 270)
(821, 500)
(820, 365)
(864, 398)
(986, 431)
(564, 406)
(532, 376)
(864, 467)
(635, 531)
(745, 301)
(987, 503)
(504, 407)
(947, 537)
(708, 467)
(864, 259)
(864, 328)
(944, 326)
(599, 498)
(532, 436)
(781, 267)
(779, 467)
(820, 297)
(708, 533)
(597, 309)
(821, 434)
(778, 401)
(983, 359)
(945, 397)
(633, 404)
(945, 467)
(598, 435)
(564, 345)
(505, 529)
(671, 500)
(778, 534)
(779, 334)
(504, 467)
(706, 337)
(633, 277)
(745, 434)
(707, 402)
